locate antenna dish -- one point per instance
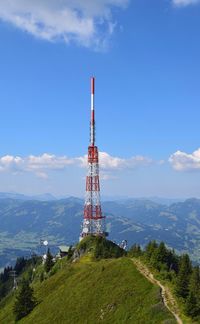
(44, 257)
(45, 243)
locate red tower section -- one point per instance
(93, 222)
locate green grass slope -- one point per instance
(105, 291)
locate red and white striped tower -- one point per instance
(93, 222)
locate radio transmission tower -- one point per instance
(93, 222)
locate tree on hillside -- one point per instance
(173, 261)
(70, 252)
(3, 290)
(20, 265)
(5, 275)
(159, 256)
(49, 261)
(183, 277)
(195, 281)
(5, 282)
(135, 250)
(150, 249)
(192, 306)
(25, 301)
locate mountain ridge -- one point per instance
(25, 223)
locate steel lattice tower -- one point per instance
(93, 222)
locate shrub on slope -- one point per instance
(99, 248)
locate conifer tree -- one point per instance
(150, 249)
(70, 253)
(135, 250)
(2, 290)
(192, 307)
(49, 261)
(183, 277)
(159, 256)
(195, 281)
(173, 261)
(20, 265)
(25, 301)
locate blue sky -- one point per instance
(145, 57)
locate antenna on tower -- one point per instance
(94, 221)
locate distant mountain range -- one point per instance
(42, 197)
(24, 222)
(49, 197)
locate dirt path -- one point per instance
(167, 297)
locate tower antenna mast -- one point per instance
(94, 221)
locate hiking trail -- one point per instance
(166, 294)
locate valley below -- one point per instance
(24, 223)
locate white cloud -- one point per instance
(87, 22)
(35, 164)
(8, 162)
(47, 161)
(108, 162)
(42, 164)
(182, 161)
(184, 3)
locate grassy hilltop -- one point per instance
(93, 290)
